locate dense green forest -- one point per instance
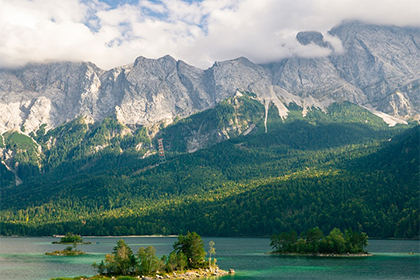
(344, 168)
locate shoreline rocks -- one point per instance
(348, 255)
(193, 274)
(177, 275)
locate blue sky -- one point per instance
(113, 33)
(114, 3)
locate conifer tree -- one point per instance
(192, 246)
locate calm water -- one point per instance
(24, 259)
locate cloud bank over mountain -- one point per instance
(112, 33)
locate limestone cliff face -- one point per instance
(378, 69)
(383, 62)
(49, 93)
(156, 90)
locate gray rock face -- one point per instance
(381, 61)
(50, 93)
(156, 90)
(308, 37)
(379, 69)
(145, 92)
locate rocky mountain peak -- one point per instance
(379, 69)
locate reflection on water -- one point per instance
(24, 259)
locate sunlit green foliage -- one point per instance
(17, 141)
(26, 156)
(148, 262)
(123, 262)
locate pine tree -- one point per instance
(192, 246)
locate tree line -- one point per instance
(314, 241)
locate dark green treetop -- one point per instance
(192, 246)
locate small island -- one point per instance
(186, 261)
(313, 242)
(68, 251)
(71, 238)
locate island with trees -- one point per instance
(186, 261)
(71, 238)
(313, 242)
(68, 251)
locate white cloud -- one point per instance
(199, 33)
(335, 43)
(153, 7)
(39, 30)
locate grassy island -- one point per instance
(71, 238)
(68, 251)
(186, 261)
(313, 242)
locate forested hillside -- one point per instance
(345, 168)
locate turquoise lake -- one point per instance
(24, 259)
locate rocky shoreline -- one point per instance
(191, 274)
(176, 275)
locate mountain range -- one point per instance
(376, 67)
(329, 141)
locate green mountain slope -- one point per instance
(334, 169)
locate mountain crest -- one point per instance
(379, 69)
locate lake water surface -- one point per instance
(24, 259)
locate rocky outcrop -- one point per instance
(379, 68)
(314, 37)
(191, 274)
